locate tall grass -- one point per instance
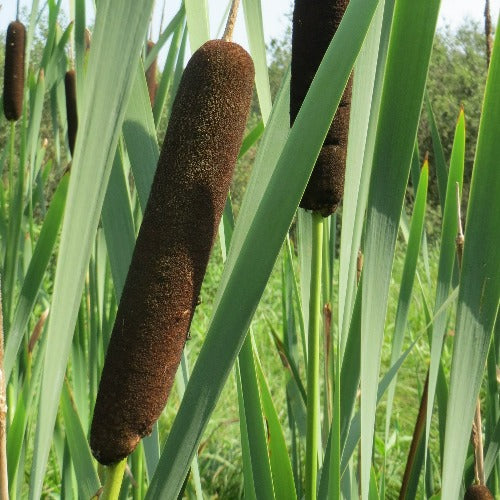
(67, 236)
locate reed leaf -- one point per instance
(113, 57)
(479, 292)
(408, 58)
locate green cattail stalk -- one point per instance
(71, 108)
(314, 24)
(313, 343)
(151, 74)
(180, 224)
(13, 84)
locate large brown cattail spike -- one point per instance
(13, 84)
(314, 24)
(71, 108)
(180, 224)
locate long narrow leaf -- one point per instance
(113, 57)
(479, 293)
(410, 47)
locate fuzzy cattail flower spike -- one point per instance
(314, 24)
(71, 108)
(13, 84)
(180, 224)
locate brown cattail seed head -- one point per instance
(71, 108)
(478, 492)
(314, 24)
(13, 84)
(173, 246)
(151, 75)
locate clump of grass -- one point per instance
(71, 108)
(173, 247)
(313, 29)
(13, 84)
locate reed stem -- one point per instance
(231, 21)
(313, 358)
(114, 477)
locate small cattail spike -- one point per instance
(314, 25)
(13, 85)
(71, 108)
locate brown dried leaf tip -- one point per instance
(151, 74)
(71, 108)
(13, 84)
(314, 25)
(478, 492)
(180, 224)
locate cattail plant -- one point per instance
(13, 84)
(314, 24)
(151, 74)
(71, 108)
(172, 250)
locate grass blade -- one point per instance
(407, 280)
(446, 261)
(439, 158)
(280, 461)
(261, 468)
(88, 482)
(197, 21)
(255, 33)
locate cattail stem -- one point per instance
(487, 32)
(17, 10)
(12, 155)
(313, 358)
(114, 478)
(15, 191)
(231, 21)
